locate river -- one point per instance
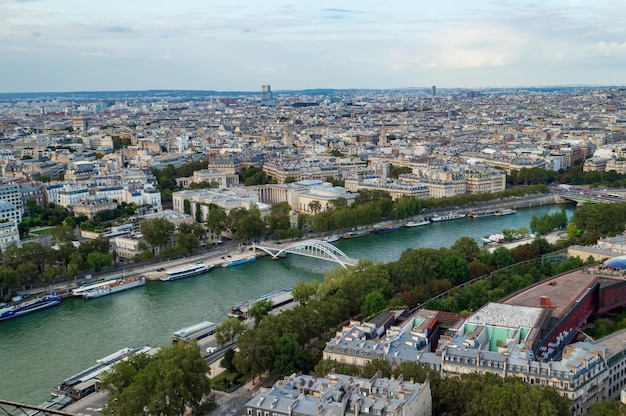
(39, 350)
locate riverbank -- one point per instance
(214, 255)
(42, 349)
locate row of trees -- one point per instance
(597, 220)
(548, 222)
(33, 263)
(575, 176)
(531, 176)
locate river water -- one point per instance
(39, 350)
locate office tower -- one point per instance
(267, 96)
(434, 90)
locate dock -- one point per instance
(159, 272)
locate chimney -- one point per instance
(546, 302)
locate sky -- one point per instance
(239, 45)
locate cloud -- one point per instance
(333, 10)
(118, 29)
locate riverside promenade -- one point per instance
(215, 257)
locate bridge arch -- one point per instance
(310, 248)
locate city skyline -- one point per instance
(59, 45)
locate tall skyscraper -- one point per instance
(267, 96)
(434, 91)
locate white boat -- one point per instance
(447, 217)
(506, 211)
(416, 224)
(21, 306)
(113, 286)
(186, 271)
(331, 238)
(238, 262)
(480, 214)
(197, 331)
(493, 238)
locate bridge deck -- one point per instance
(309, 248)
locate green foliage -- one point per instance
(254, 176)
(325, 367)
(303, 292)
(335, 182)
(548, 222)
(575, 176)
(260, 309)
(246, 224)
(396, 171)
(599, 220)
(171, 382)
(375, 366)
(608, 408)
(287, 356)
(63, 233)
(531, 176)
(493, 395)
(226, 332)
(157, 232)
(466, 248)
(278, 220)
(374, 303)
(228, 361)
(97, 261)
(216, 219)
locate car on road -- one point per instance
(211, 350)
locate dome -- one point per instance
(616, 263)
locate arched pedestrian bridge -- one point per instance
(309, 248)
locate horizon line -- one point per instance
(316, 88)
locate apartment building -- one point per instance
(342, 395)
(396, 189)
(9, 234)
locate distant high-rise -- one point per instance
(267, 96)
(434, 91)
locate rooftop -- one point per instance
(562, 292)
(509, 316)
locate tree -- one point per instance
(260, 309)
(187, 242)
(374, 303)
(302, 292)
(63, 233)
(157, 232)
(226, 332)
(466, 247)
(315, 206)
(608, 408)
(228, 361)
(216, 219)
(287, 356)
(97, 260)
(375, 366)
(250, 226)
(171, 382)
